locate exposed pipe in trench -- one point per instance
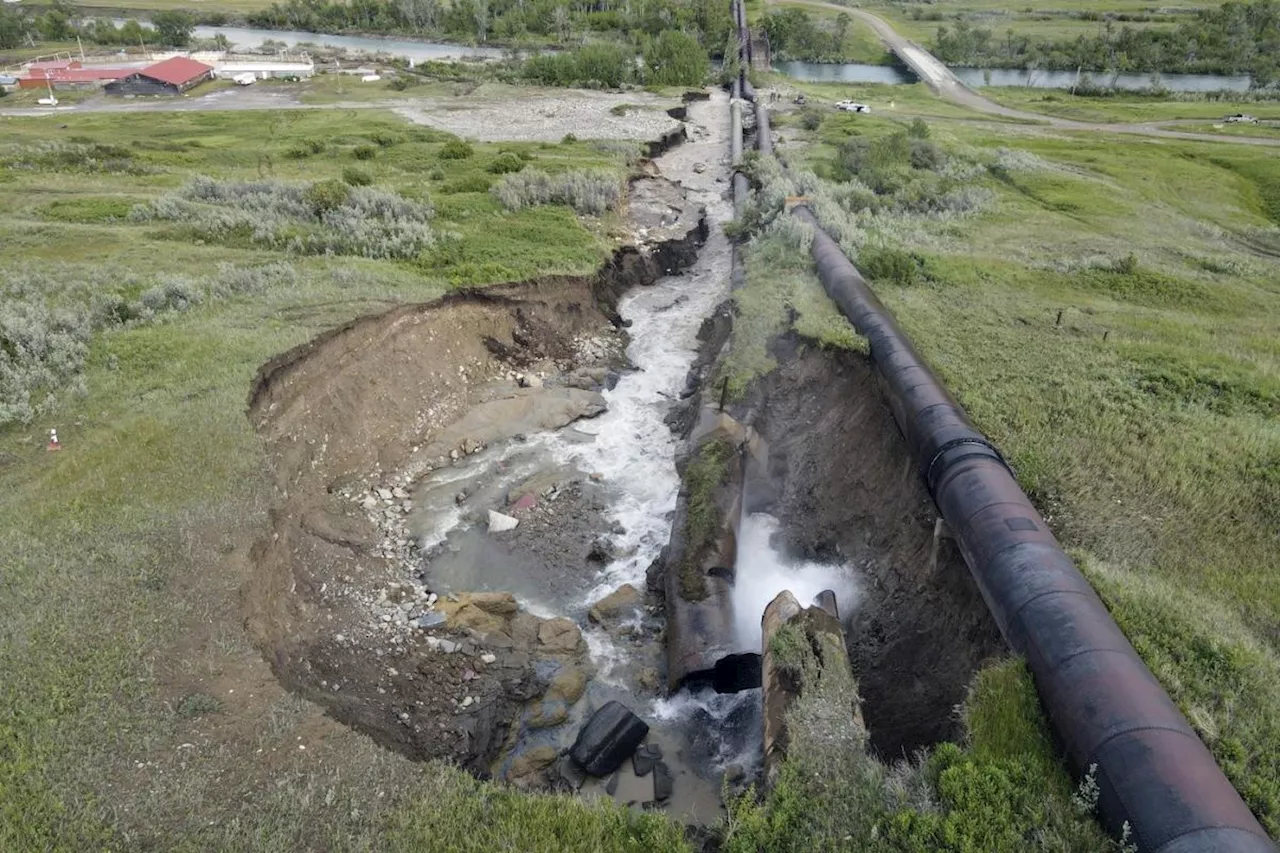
(1153, 771)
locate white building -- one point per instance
(230, 66)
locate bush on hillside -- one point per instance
(323, 218)
(505, 163)
(356, 177)
(588, 192)
(456, 149)
(675, 58)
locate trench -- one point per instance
(566, 404)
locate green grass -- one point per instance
(1003, 790)
(1122, 108)
(1058, 20)
(1110, 318)
(133, 712)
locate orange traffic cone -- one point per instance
(53, 441)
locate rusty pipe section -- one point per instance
(1153, 771)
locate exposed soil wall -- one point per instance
(845, 489)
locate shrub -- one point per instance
(918, 129)
(675, 58)
(469, 184)
(456, 149)
(810, 119)
(305, 149)
(591, 66)
(505, 163)
(324, 196)
(399, 84)
(88, 156)
(324, 218)
(356, 177)
(882, 264)
(589, 192)
(568, 139)
(436, 174)
(383, 139)
(175, 294)
(926, 155)
(1128, 265)
(364, 152)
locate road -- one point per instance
(938, 77)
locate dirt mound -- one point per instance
(356, 420)
(846, 490)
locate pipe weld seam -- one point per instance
(956, 442)
(1187, 733)
(1017, 614)
(1210, 828)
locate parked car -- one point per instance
(50, 101)
(853, 107)
(245, 79)
(1240, 118)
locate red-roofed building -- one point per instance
(171, 77)
(70, 75)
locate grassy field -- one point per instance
(1144, 422)
(1133, 107)
(1059, 20)
(133, 713)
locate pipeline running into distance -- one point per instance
(1112, 715)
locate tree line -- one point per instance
(1235, 38)
(506, 21)
(59, 23)
(794, 34)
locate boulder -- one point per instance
(530, 763)
(499, 523)
(560, 635)
(570, 774)
(663, 782)
(646, 758)
(617, 606)
(568, 686)
(548, 713)
(608, 739)
(497, 603)
(602, 549)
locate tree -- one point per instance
(13, 27)
(173, 28)
(675, 58)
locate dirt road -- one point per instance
(938, 77)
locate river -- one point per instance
(419, 51)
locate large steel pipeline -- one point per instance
(1112, 715)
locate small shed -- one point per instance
(171, 77)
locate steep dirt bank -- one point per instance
(845, 490)
(359, 421)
